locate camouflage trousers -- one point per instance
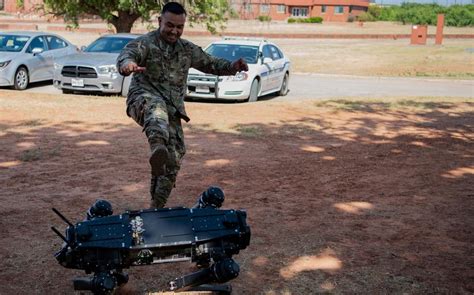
(161, 124)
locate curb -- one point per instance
(60, 28)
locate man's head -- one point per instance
(172, 19)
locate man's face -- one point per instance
(171, 26)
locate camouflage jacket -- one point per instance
(167, 67)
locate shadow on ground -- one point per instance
(367, 205)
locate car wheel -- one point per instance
(21, 79)
(284, 86)
(254, 91)
(67, 91)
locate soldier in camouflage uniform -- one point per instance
(160, 61)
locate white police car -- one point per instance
(269, 71)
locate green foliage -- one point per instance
(427, 14)
(366, 17)
(460, 16)
(264, 18)
(375, 11)
(312, 20)
(122, 14)
(20, 4)
(212, 13)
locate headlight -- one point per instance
(240, 76)
(108, 69)
(4, 64)
(57, 66)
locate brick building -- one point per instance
(329, 10)
(11, 6)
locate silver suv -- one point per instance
(93, 69)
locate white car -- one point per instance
(269, 71)
(27, 57)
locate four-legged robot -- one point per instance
(105, 244)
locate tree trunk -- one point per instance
(124, 22)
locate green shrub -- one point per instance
(460, 16)
(423, 14)
(312, 20)
(375, 11)
(264, 18)
(366, 17)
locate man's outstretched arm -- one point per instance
(217, 66)
(130, 58)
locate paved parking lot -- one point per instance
(305, 86)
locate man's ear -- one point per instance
(159, 21)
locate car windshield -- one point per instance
(110, 45)
(232, 52)
(13, 43)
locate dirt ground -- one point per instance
(347, 196)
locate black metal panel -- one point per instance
(78, 72)
(167, 227)
(106, 232)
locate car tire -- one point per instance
(284, 85)
(253, 96)
(21, 79)
(67, 91)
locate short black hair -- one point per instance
(173, 7)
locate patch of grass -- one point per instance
(36, 154)
(353, 105)
(201, 127)
(32, 123)
(248, 131)
(372, 105)
(459, 75)
(31, 155)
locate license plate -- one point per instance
(77, 82)
(202, 89)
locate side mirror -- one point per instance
(37, 50)
(267, 60)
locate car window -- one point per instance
(55, 42)
(275, 52)
(37, 42)
(233, 52)
(110, 45)
(267, 52)
(12, 43)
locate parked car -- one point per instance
(93, 69)
(269, 71)
(27, 57)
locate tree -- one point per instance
(122, 14)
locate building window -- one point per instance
(281, 9)
(350, 9)
(299, 11)
(248, 7)
(339, 9)
(323, 9)
(264, 8)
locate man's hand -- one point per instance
(240, 65)
(131, 67)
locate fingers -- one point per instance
(240, 65)
(140, 69)
(243, 65)
(130, 68)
